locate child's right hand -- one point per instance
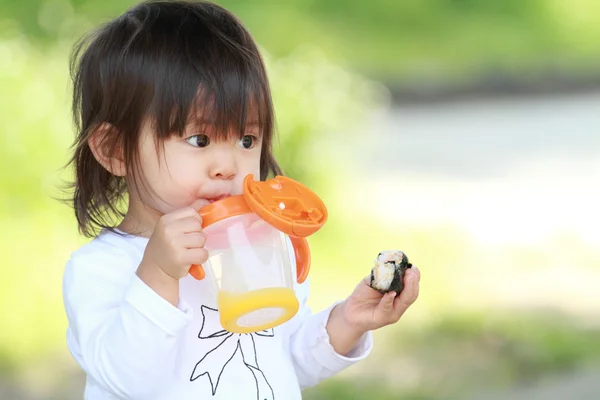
(177, 242)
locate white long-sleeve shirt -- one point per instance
(133, 344)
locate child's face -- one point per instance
(195, 166)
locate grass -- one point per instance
(448, 40)
(457, 355)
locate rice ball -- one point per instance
(387, 274)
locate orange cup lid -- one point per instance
(286, 204)
(222, 209)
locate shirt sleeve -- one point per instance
(311, 352)
(121, 332)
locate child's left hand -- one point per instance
(366, 309)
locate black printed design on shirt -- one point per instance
(226, 345)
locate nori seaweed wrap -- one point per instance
(387, 274)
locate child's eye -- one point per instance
(198, 140)
(248, 141)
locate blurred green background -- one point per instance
(464, 132)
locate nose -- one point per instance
(223, 164)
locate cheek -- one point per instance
(252, 165)
(147, 172)
(172, 176)
(181, 172)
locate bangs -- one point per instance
(208, 76)
(226, 115)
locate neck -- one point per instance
(139, 220)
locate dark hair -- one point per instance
(161, 60)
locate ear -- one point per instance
(107, 149)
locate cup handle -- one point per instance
(302, 254)
(197, 272)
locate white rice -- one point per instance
(383, 272)
(383, 275)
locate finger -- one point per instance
(364, 290)
(195, 256)
(365, 283)
(418, 272)
(386, 305)
(185, 212)
(187, 225)
(411, 290)
(193, 240)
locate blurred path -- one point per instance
(490, 164)
(482, 140)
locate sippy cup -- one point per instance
(249, 256)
